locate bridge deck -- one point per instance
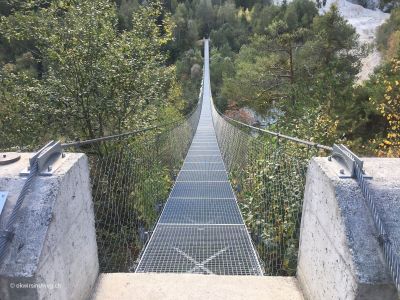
(201, 229)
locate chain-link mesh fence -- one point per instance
(268, 176)
(131, 179)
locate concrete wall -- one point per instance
(340, 256)
(53, 254)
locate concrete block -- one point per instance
(53, 254)
(153, 286)
(340, 256)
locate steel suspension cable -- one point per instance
(7, 232)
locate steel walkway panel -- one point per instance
(202, 176)
(201, 211)
(203, 166)
(202, 190)
(204, 158)
(202, 249)
(199, 152)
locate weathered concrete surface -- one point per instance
(340, 257)
(53, 254)
(124, 286)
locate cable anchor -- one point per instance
(47, 158)
(344, 156)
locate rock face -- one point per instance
(371, 4)
(195, 71)
(386, 6)
(365, 21)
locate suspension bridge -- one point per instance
(207, 194)
(201, 229)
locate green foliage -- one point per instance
(125, 11)
(191, 85)
(220, 66)
(271, 196)
(383, 91)
(388, 5)
(299, 68)
(388, 35)
(300, 14)
(268, 175)
(21, 119)
(262, 17)
(93, 80)
(204, 13)
(334, 63)
(131, 181)
(185, 30)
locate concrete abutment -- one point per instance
(53, 254)
(340, 256)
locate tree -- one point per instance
(269, 72)
(299, 14)
(185, 31)
(95, 80)
(263, 16)
(388, 35)
(389, 107)
(388, 5)
(125, 11)
(332, 58)
(205, 15)
(226, 13)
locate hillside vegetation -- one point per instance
(291, 64)
(87, 69)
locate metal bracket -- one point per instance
(350, 160)
(45, 158)
(3, 199)
(8, 235)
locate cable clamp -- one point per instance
(8, 235)
(46, 158)
(349, 160)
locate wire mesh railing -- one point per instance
(268, 175)
(132, 175)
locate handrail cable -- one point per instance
(113, 137)
(277, 134)
(129, 133)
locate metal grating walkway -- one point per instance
(201, 229)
